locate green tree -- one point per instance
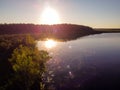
(28, 64)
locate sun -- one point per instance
(50, 16)
(50, 43)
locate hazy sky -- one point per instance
(94, 13)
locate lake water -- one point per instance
(90, 62)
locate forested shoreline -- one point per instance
(58, 30)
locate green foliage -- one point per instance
(27, 62)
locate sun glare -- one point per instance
(50, 43)
(50, 16)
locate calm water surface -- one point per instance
(91, 62)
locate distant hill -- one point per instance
(108, 30)
(31, 28)
(58, 31)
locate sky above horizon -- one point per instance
(93, 13)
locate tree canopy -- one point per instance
(28, 65)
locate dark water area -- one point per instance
(88, 63)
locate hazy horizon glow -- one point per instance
(93, 13)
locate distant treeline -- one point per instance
(58, 30)
(108, 30)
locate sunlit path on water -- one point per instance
(47, 44)
(50, 43)
(78, 61)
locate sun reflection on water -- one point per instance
(50, 43)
